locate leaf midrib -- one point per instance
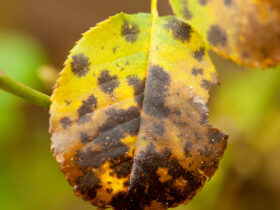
(154, 19)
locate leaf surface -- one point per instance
(129, 114)
(246, 31)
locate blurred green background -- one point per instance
(35, 33)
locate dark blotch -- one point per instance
(111, 150)
(107, 82)
(122, 166)
(205, 84)
(197, 71)
(217, 35)
(88, 106)
(138, 86)
(245, 55)
(227, 2)
(203, 2)
(206, 152)
(88, 184)
(145, 185)
(66, 122)
(114, 49)
(199, 54)
(130, 31)
(159, 128)
(178, 112)
(204, 118)
(124, 201)
(68, 102)
(126, 184)
(188, 148)
(196, 136)
(84, 119)
(181, 124)
(215, 136)
(80, 64)
(180, 30)
(85, 138)
(118, 117)
(119, 124)
(156, 91)
(109, 190)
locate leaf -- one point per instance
(246, 31)
(129, 114)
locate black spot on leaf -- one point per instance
(109, 190)
(199, 54)
(130, 31)
(204, 118)
(203, 2)
(215, 136)
(206, 84)
(126, 184)
(155, 93)
(124, 201)
(188, 148)
(85, 138)
(145, 185)
(216, 35)
(159, 128)
(95, 158)
(84, 119)
(227, 2)
(122, 166)
(80, 64)
(118, 124)
(178, 112)
(88, 184)
(66, 122)
(196, 136)
(114, 49)
(68, 102)
(197, 71)
(87, 106)
(138, 86)
(180, 30)
(107, 82)
(118, 117)
(205, 151)
(181, 124)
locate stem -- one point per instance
(21, 90)
(154, 8)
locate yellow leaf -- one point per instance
(129, 114)
(246, 31)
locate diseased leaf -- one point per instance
(129, 114)
(246, 31)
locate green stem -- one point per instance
(154, 10)
(23, 91)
